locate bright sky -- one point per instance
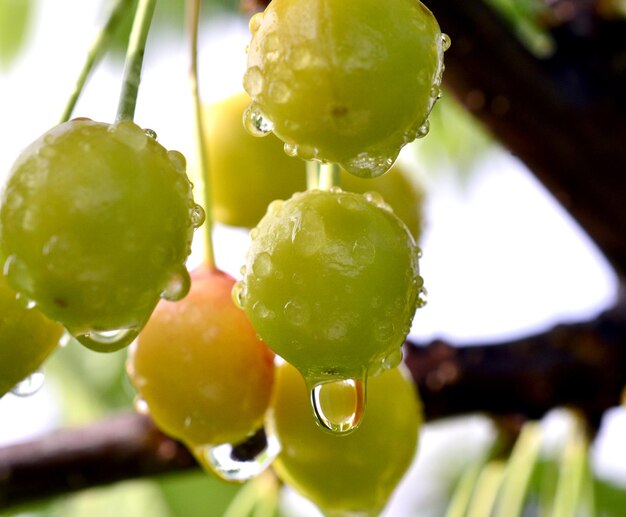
(500, 258)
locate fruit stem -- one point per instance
(312, 175)
(193, 20)
(134, 59)
(97, 50)
(329, 176)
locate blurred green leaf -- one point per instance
(14, 23)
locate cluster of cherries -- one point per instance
(96, 223)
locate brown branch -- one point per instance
(564, 116)
(581, 365)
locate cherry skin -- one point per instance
(346, 473)
(96, 224)
(198, 365)
(27, 337)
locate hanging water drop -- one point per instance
(238, 294)
(197, 216)
(178, 160)
(29, 385)
(151, 133)
(256, 123)
(445, 42)
(108, 340)
(177, 286)
(423, 130)
(242, 461)
(422, 297)
(290, 149)
(339, 405)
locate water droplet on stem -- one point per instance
(29, 385)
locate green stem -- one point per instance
(201, 141)
(134, 59)
(329, 176)
(312, 175)
(97, 50)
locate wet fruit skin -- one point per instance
(355, 472)
(247, 173)
(199, 366)
(347, 81)
(27, 337)
(331, 283)
(95, 221)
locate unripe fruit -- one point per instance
(95, 225)
(27, 337)
(344, 81)
(347, 474)
(198, 365)
(247, 173)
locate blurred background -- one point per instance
(501, 259)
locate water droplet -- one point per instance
(279, 92)
(262, 311)
(178, 161)
(255, 22)
(253, 81)
(177, 286)
(29, 385)
(309, 233)
(445, 41)
(242, 270)
(393, 359)
(422, 297)
(130, 134)
(423, 130)
(65, 339)
(262, 265)
(141, 406)
(336, 330)
(151, 133)
(197, 216)
(107, 340)
(435, 91)
(374, 197)
(297, 313)
(274, 208)
(255, 122)
(384, 331)
(290, 149)
(238, 294)
(368, 165)
(339, 405)
(242, 461)
(363, 251)
(254, 233)
(18, 274)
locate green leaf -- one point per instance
(14, 23)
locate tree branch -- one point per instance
(581, 365)
(564, 116)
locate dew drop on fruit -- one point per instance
(151, 133)
(422, 297)
(29, 385)
(108, 340)
(435, 91)
(291, 149)
(445, 42)
(393, 359)
(197, 216)
(129, 134)
(242, 461)
(253, 81)
(423, 130)
(256, 123)
(177, 286)
(339, 405)
(368, 165)
(178, 161)
(25, 301)
(261, 310)
(274, 208)
(238, 294)
(255, 22)
(297, 313)
(262, 265)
